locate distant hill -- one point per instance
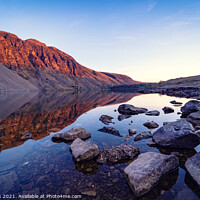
(183, 81)
(49, 68)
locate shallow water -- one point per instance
(41, 167)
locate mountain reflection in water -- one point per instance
(40, 114)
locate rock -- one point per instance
(176, 154)
(128, 109)
(178, 134)
(26, 136)
(72, 134)
(179, 113)
(148, 169)
(194, 117)
(106, 119)
(197, 128)
(151, 143)
(127, 138)
(168, 110)
(153, 113)
(132, 131)
(83, 150)
(193, 167)
(176, 102)
(122, 117)
(110, 130)
(90, 192)
(118, 153)
(190, 107)
(165, 123)
(151, 125)
(143, 135)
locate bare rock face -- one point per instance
(148, 169)
(167, 110)
(128, 109)
(72, 134)
(190, 107)
(106, 119)
(151, 124)
(193, 167)
(83, 150)
(178, 134)
(118, 153)
(111, 131)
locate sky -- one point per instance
(148, 40)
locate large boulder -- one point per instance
(193, 167)
(118, 153)
(111, 131)
(148, 169)
(190, 107)
(83, 150)
(106, 119)
(72, 134)
(151, 124)
(179, 134)
(127, 109)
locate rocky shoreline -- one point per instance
(145, 170)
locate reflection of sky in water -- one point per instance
(32, 153)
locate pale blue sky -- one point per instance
(149, 40)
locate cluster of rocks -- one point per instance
(146, 169)
(184, 91)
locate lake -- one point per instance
(39, 166)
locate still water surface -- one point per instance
(40, 166)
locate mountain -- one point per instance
(49, 68)
(11, 81)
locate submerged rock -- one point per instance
(153, 113)
(118, 153)
(110, 130)
(148, 169)
(72, 134)
(143, 135)
(106, 119)
(178, 134)
(128, 109)
(151, 125)
(167, 110)
(190, 107)
(26, 136)
(193, 167)
(132, 131)
(122, 117)
(83, 150)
